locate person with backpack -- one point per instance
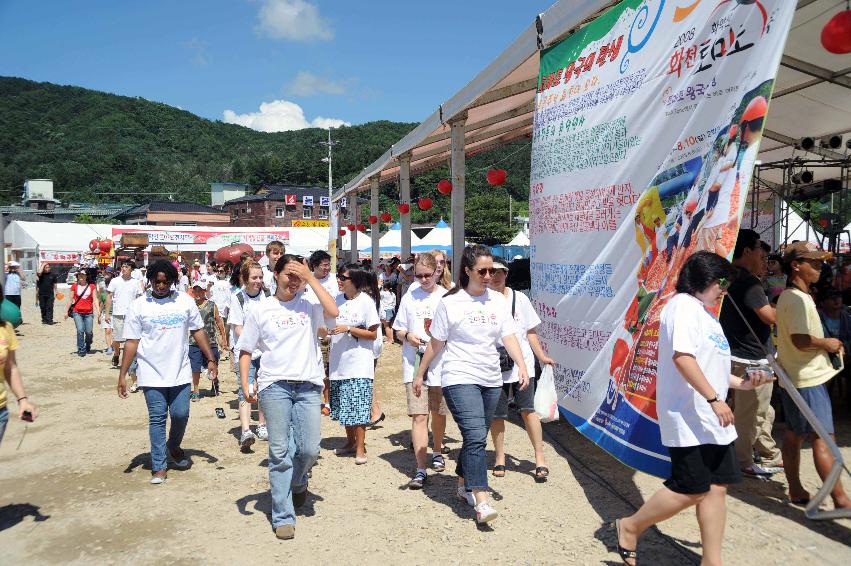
(251, 293)
(84, 309)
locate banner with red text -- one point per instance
(647, 125)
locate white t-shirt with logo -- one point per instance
(416, 306)
(237, 312)
(285, 334)
(685, 417)
(221, 293)
(352, 357)
(162, 327)
(124, 292)
(525, 318)
(472, 327)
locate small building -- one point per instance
(281, 206)
(223, 192)
(175, 214)
(38, 194)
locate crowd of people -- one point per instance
(304, 342)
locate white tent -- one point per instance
(521, 239)
(439, 237)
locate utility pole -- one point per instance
(330, 145)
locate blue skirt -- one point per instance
(351, 401)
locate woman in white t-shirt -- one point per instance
(519, 307)
(417, 308)
(692, 380)
(251, 293)
(467, 326)
(156, 330)
(285, 328)
(351, 360)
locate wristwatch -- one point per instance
(714, 399)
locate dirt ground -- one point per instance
(74, 489)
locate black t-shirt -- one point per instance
(747, 291)
(45, 284)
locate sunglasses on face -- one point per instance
(423, 275)
(486, 271)
(344, 278)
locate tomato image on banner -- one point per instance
(647, 124)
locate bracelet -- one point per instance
(22, 398)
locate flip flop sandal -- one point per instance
(624, 553)
(541, 474)
(498, 471)
(800, 501)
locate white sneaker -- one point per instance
(262, 433)
(485, 513)
(465, 495)
(246, 440)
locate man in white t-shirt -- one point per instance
(122, 291)
(274, 251)
(219, 290)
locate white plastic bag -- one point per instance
(546, 398)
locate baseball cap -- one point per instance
(805, 250)
(14, 264)
(498, 265)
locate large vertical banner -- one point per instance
(647, 124)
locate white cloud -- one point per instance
(292, 19)
(280, 116)
(306, 83)
(200, 55)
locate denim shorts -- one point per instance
(523, 398)
(4, 419)
(197, 359)
(252, 378)
(818, 399)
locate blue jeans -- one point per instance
(4, 419)
(472, 407)
(292, 419)
(84, 323)
(161, 401)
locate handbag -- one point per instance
(505, 361)
(79, 297)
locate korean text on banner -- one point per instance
(647, 124)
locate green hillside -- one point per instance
(92, 143)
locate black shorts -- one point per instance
(695, 468)
(524, 399)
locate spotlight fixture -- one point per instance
(802, 177)
(806, 143)
(831, 142)
(816, 190)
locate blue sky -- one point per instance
(308, 62)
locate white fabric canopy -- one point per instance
(54, 236)
(521, 239)
(438, 237)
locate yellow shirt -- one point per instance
(8, 342)
(797, 314)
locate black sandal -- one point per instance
(624, 553)
(498, 471)
(541, 474)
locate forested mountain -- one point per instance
(93, 144)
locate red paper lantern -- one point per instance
(496, 177)
(836, 33)
(94, 245)
(342, 232)
(404, 208)
(352, 227)
(824, 223)
(105, 246)
(424, 203)
(361, 228)
(444, 186)
(232, 253)
(386, 217)
(373, 219)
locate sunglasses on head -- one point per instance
(423, 275)
(724, 283)
(486, 271)
(343, 277)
